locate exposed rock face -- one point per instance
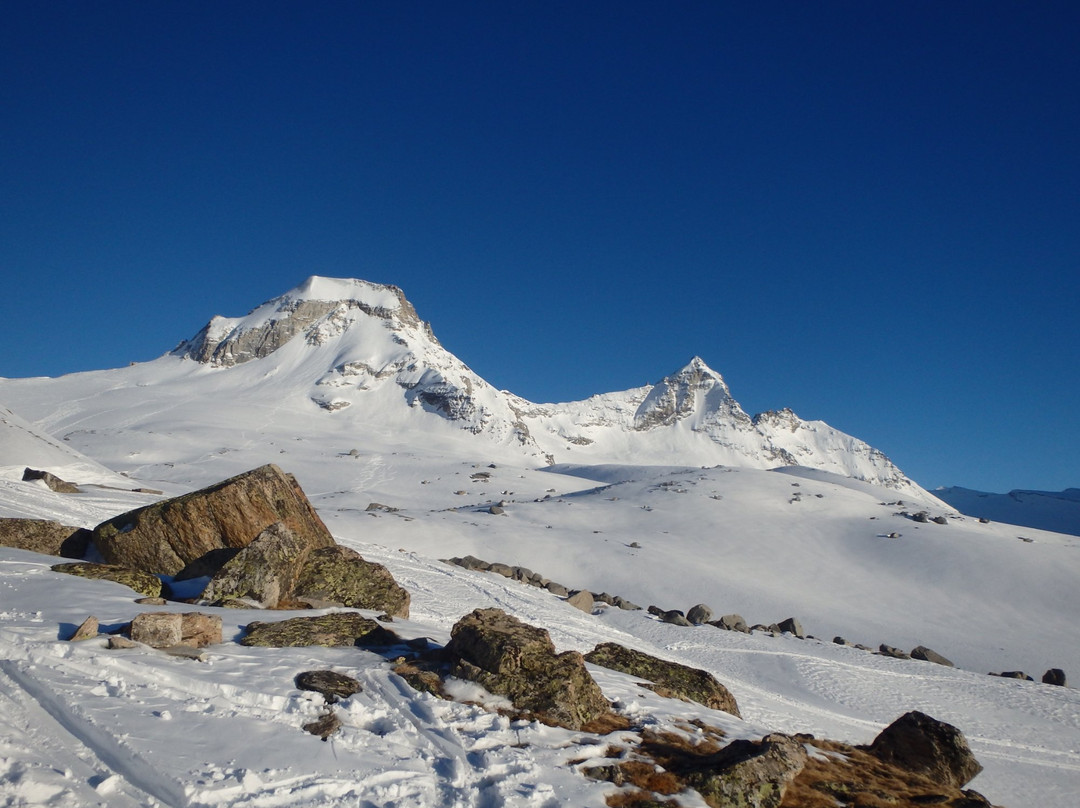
(516, 660)
(265, 571)
(44, 536)
(918, 743)
(341, 575)
(676, 397)
(51, 480)
(929, 655)
(168, 535)
(749, 774)
(330, 684)
(330, 630)
(669, 678)
(142, 582)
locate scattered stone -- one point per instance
(521, 574)
(894, 535)
(732, 622)
(151, 601)
(670, 679)
(471, 563)
(699, 614)
(199, 629)
(1014, 675)
(940, 520)
(341, 575)
(656, 611)
(44, 536)
(117, 643)
(516, 660)
(929, 655)
(496, 510)
(921, 516)
(889, 651)
(791, 626)
(634, 545)
(502, 569)
(1054, 676)
(983, 520)
(329, 630)
(918, 743)
(838, 640)
(157, 629)
(142, 582)
(325, 726)
(330, 685)
(185, 652)
(675, 618)
(378, 506)
(51, 480)
(625, 604)
(167, 536)
(87, 630)
(582, 600)
(557, 589)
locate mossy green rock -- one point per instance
(516, 660)
(265, 571)
(669, 678)
(142, 582)
(340, 575)
(329, 630)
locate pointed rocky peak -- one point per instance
(319, 308)
(695, 390)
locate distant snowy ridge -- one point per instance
(1057, 511)
(360, 352)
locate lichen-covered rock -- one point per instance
(341, 575)
(921, 744)
(748, 774)
(331, 685)
(516, 660)
(169, 535)
(142, 582)
(157, 629)
(330, 630)
(264, 572)
(44, 536)
(669, 678)
(199, 629)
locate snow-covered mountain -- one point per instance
(1058, 511)
(359, 352)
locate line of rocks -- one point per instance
(578, 598)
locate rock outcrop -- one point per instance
(169, 535)
(518, 661)
(342, 576)
(669, 678)
(921, 744)
(44, 536)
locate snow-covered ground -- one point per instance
(81, 725)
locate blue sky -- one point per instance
(868, 212)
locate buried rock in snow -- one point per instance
(516, 660)
(169, 535)
(330, 630)
(669, 678)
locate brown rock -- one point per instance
(324, 726)
(341, 575)
(44, 536)
(582, 600)
(169, 535)
(199, 629)
(265, 571)
(157, 629)
(516, 660)
(921, 744)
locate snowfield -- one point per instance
(81, 725)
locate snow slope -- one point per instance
(637, 512)
(1047, 510)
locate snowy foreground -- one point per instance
(82, 725)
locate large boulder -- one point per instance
(921, 744)
(518, 661)
(169, 535)
(142, 582)
(748, 774)
(699, 614)
(341, 575)
(669, 678)
(264, 572)
(329, 630)
(44, 536)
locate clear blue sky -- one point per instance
(868, 212)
